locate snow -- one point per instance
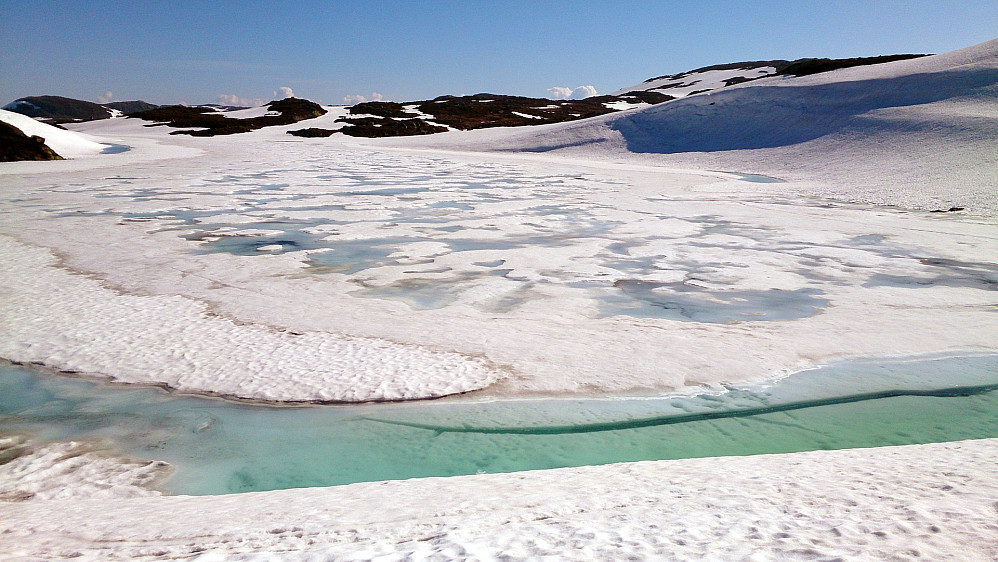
(550, 316)
(72, 470)
(625, 105)
(685, 84)
(175, 341)
(916, 133)
(932, 502)
(249, 112)
(67, 144)
(843, 248)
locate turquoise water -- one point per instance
(220, 447)
(756, 178)
(115, 149)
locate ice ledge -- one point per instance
(70, 322)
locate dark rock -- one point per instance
(805, 67)
(312, 132)
(380, 109)
(646, 96)
(374, 127)
(15, 146)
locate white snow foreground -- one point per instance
(67, 144)
(929, 502)
(180, 343)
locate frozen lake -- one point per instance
(220, 447)
(327, 271)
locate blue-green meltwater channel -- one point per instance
(220, 447)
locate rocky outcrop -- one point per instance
(375, 127)
(312, 132)
(15, 146)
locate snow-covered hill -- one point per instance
(916, 133)
(67, 144)
(715, 77)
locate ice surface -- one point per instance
(180, 343)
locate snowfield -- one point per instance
(916, 133)
(775, 225)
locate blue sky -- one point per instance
(194, 52)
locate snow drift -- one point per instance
(65, 143)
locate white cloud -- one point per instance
(357, 98)
(583, 92)
(106, 98)
(232, 99)
(564, 92)
(285, 92)
(560, 92)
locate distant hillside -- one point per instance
(208, 122)
(57, 109)
(718, 76)
(480, 111)
(16, 146)
(917, 133)
(391, 119)
(128, 107)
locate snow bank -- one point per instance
(65, 143)
(932, 502)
